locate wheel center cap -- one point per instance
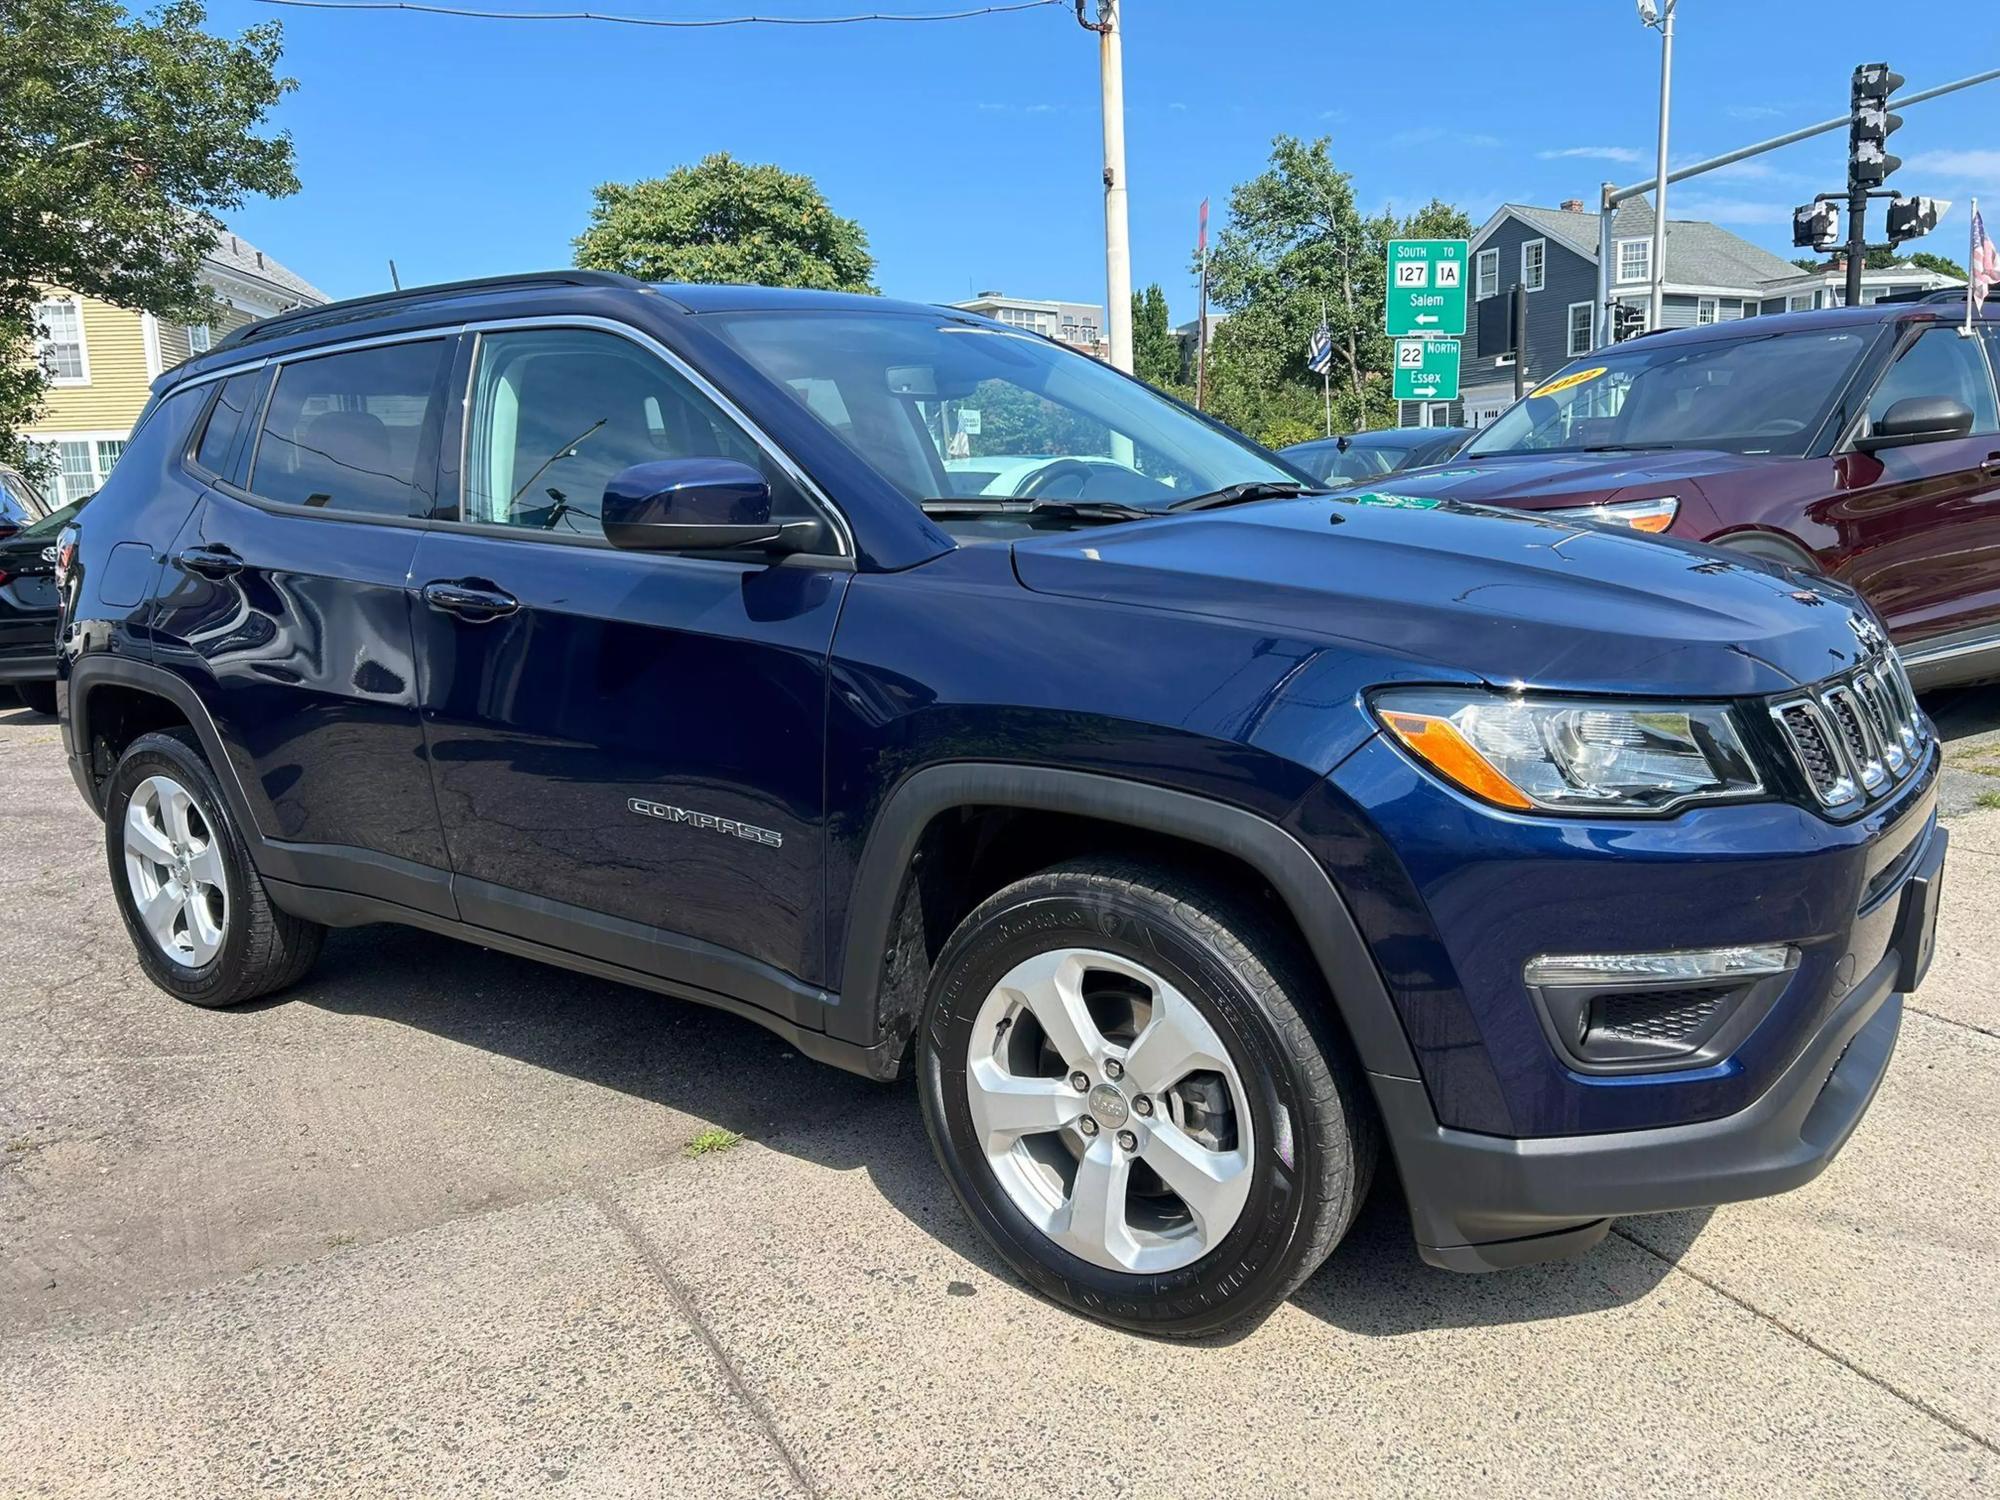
(1109, 1106)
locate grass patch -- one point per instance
(710, 1141)
(1987, 800)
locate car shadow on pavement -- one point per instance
(14, 711)
(728, 1072)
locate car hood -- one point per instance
(1534, 481)
(1454, 590)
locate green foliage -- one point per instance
(1156, 353)
(1296, 244)
(722, 220)
(121, 139)
(1925, 261)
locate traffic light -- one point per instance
(1868, 160)
(1816, 226)
(1628, 320)
(1912, 218)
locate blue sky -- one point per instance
(969, 150)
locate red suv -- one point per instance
(1862, 443)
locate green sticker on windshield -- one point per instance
(1397, 502)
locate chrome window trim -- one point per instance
(816, 496)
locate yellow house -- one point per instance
(101, 359)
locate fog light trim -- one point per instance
(1689, 966)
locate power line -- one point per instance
(590, 15)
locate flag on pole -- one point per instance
(1984, 263)
(1319, 353)
(1201, 238)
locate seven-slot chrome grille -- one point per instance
(1857, 735)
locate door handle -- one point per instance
(471, 599)
(211, 561)
(1990, 464)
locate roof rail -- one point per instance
(1935, 294)
(322, 313)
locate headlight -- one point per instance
(1564, 755)
(1640, 515)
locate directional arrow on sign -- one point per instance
(1427, 318)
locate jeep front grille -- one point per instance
(1857, 735)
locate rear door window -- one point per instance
(353, 432)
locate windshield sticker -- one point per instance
(1397, 502)
(1565, 382)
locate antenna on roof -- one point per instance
(394, 280)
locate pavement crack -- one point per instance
(1916, 1403)
(1931, 1015)
(684, 1304)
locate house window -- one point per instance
(1635, 260)
(1437, 414)
(81, 464)
(1582, 329)
(1749, 309)
(1706, 310)
(59, 341)
(1487, 274)
(1799, 302)
(197, 338)
(1534, 263)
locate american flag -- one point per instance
(1319, 353)
(1985, 265)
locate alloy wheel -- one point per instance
(173, 866)
(1110, 1111)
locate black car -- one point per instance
(1363, 455)
(28, 609)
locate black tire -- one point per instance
(1265, 1002)
(1770, 548)
(263, 949)
(39, 696)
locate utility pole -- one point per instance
(1117, 238)
(1517, 335)
(1663, 19)
(1201, 316)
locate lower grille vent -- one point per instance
(1655, 1015)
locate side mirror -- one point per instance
(694, 505)
(1918, 419)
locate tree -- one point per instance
(1296, 248)
(722, 220)
(1923, 260)
(1156, 353)
(121, 139)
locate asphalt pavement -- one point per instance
(440, 1221)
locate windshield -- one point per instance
(1357, 460)
(1764, 393)
(945, 408)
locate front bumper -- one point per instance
(1482, 1202)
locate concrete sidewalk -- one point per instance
(427, 1225)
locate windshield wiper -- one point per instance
(1243, 494)
(1097, 512)
(1626, 448)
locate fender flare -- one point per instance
(1771, 546)
(87, 673)
(1359, 995)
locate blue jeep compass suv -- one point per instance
(948, 701)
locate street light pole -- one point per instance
(1117, 238)
(1663, 19)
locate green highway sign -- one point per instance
(1426, 290)
(1426, 369)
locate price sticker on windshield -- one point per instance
(1568, 382)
